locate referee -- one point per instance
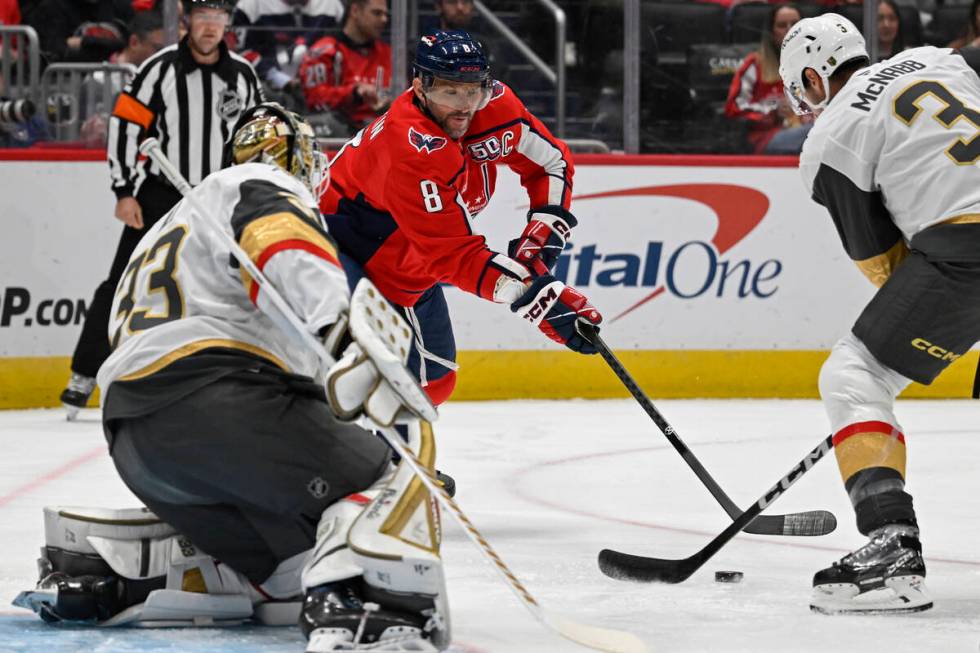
(188, 96)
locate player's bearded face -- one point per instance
(453, 104)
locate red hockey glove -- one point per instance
(556, 309)
(543, 240)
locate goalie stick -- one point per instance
(812, 522)
(601, 639)
(624, 566)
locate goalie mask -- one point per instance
(268, 133)
(824, 43)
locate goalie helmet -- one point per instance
(268, 133)
(824, 43)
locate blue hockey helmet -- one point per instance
(452, 55)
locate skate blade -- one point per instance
(901, 595)
(71, 412)
(36, 600)
(326, 640)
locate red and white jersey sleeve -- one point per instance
(506, 132)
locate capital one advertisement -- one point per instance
(684, 257)
(674, 257)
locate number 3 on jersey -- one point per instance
(160, 279)
(430, 196)
(907, 109)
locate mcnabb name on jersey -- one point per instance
(879, 81)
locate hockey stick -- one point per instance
(812, 522)
(601, 639)
(624, 566)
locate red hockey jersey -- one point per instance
(406, 194)
(332, 69)
(755, 100)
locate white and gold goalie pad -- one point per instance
(397, 537)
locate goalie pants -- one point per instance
(237, 455)
(156, 197)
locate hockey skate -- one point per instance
(60, 597)
(885, 576)
(375, 581)
(75, 396)
(339, 617)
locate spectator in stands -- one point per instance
(77, 30)
(455, 14)
(756, 94)
(461, 14)
(9, 12)
(822, 3)
(971, 33)
(349, 74)
(9, 15)
(146, 37)
(891, 41)
(275, 34)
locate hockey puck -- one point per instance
(728, 576)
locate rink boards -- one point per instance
(716, 276)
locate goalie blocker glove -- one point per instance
(556, 309)
(539, 246)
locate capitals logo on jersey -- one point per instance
(425, 142)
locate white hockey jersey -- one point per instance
(183, 291)
(898, 143)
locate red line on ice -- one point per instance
(54, 474)
(517, 490)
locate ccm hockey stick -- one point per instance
(813, 522)
(601, 639)
(624, 566)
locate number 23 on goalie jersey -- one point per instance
(896, 152)
(183, 291)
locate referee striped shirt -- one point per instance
(191, 108)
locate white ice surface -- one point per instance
(552, 483)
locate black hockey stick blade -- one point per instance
(810, 523)
(624, 566)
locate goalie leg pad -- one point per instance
(379, 582)
(119, 567)
(397, 539)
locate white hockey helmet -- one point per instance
(824, 43)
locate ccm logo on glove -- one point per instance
(541, 304)
(556, 309)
